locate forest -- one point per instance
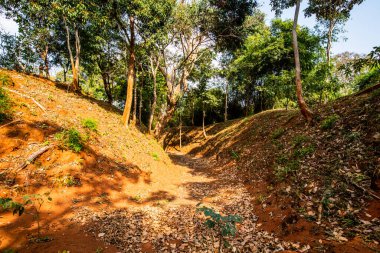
(187, 126)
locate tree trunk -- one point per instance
(76, 86)
(154, 103)
(226, 104)
(134, 115)
(107, 87)
(329, 41)
(301, 102)
(47, 62)
(203, 123)
(192, 114)
(140, 101)
(74, 65)
(153, 69)
(131, 74)
(172, 105)
(180, 131)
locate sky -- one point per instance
(362, 29)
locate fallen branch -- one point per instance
(26, 96)
(365, 190)
(33, 156)
(10, 123)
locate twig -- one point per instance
(26, 96)
(365, 190)
(33, 156)
(10, 123)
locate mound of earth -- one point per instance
(105, 188)
(317, 184)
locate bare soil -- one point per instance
(129, 195)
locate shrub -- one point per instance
(9, 204)
(71, 139)
(155, 156)
(299, 140)
(5, 105)
(90, 124)
(235, 155)
(278, 133)
(304, 151)
(329, 122)
(224, 226)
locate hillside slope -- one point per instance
(310, 183)
(116, 168)
(112, 189)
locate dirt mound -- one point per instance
(116, 167)
(316, 184)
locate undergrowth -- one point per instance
(90, 124)
(5, 101)
(71, 139)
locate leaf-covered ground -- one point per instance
(318, 184)
(123, 193)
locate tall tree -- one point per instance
(278, 6)
(331, 13)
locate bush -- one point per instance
(278, 133)
(329, 122)
(71, 139)
(5, 105)
(90, 124)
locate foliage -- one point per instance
(90, 124)
(224, 226)
(329, 122)
(235, 155)
(5, 105)
(278, 133)
(71, 139)
(9, 204)
(37, 200)
(67, 180)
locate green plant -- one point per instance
(278, 133)
(99, 250)
(224, 226)
(155, 156)
(71, 139)
(5, 105)
(66, 180)
(6, 80)
(298, 140)
(9, 204)
(304, 151)
(37, 200)
(235, 155)
(136, 198)
(9, 251)
(90, 124)
(329, 122)
(281, 172)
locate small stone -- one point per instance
(101, 234)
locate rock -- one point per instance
(101, 234)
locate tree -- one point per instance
(279, 5)
(331, 13)
(133, 19)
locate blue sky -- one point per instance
(362, 30)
